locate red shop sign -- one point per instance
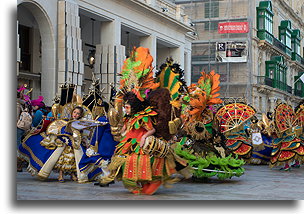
(233, 27)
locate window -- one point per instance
(265, 21)
(24, 44)
(211, 25)
(212, 9)
(276, 70)
(298, 86)
(285, 32)
(296, 41)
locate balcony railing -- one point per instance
(279, 44)
(265, 35)
(262, 80)
(282, 47)
(296, 57)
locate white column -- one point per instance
(70, 63)
(187, 66)
(109, 56)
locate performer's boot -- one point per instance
(153, 186)
(73, 177)
(296, 164)
(145, 188)
(286, 167)
(60, 177)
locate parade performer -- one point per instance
(143, 159)
(53, 149)
(39, 111)
(202, 144)
(262, 133)
(232, 118)
(24, 118)
(299, 110)
(288, 146)
(61, 144)
(97, 154)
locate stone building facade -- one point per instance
(56, 38)
(265, 59)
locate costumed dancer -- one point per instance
(53, 149)
(58, 146)
(141, 160)
(232, 118)
(288, 146)
(299, 110)
(39, 111)
(202, 144)
(262, 132)
(24, 119)
(101, 146)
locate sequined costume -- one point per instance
(288, 146)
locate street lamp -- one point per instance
(91, 56)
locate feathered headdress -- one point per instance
(171, 76)
(137, 73)
(22, 89)
(38, 102)
(203, 94)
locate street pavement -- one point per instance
(258, 183)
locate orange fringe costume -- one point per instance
(140, 172)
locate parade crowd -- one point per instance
(154, 130)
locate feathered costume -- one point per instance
(288, 146)
(202, 144)
(142, 168)
(231, 119)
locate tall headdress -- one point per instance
(137, 74)
(171, 76)
(203, 94)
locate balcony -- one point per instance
(279, 44)
(265, 35)
(280, 85)
(296, 57)
(282, 47)
(262, 80)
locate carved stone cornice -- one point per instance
(263, 89)
(297, 65)
(292, 13)
(263, 45)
